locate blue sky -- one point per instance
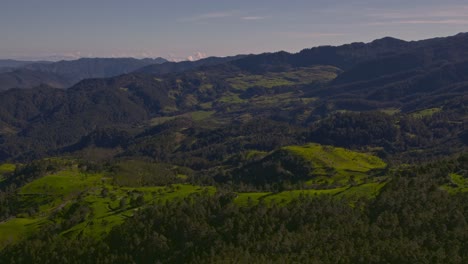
(32, 29)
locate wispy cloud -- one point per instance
(306, 35)
(215, 15)
(232, 14)
(208, 16)
(423, 22)
(425, 12)
(253, 17)
(450, 15)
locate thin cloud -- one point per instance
(222, 15)
(209, 16)
(215, 15)
(311, 34)
(452, 15)
(420, 14)
(422, 22)
(253, 18)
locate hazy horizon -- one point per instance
(179, 30)
(193, 57)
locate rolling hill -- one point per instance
(313, 163)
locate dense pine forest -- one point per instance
(347, 154)
(413, 219)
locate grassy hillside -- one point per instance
(316, 165)
(426, 112)
(15, 229)
(297, 76)
(331, 164)
(62, 183)
(80, 203)
(457, 184)
(352, 193)
(7, 167)
(342, 160)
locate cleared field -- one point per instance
(458, 184)
(390, 111)
(245, 199)
(255, 154)
(195, 116)
(231, 98)
(297, 76)
(340, 159)
(7, 167)
(63, 183)
(17, 228)
(367, 190)
(284, 197)
(336, 165)
(426, 112)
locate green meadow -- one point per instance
(62, 183)
(332, 165)
(7, 167)
(366, 191)
(426, 112)
(195, 116)
(458, 183)
(272, 79)
(15, 229)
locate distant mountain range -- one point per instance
(15, 63)
(306, 89)
(10, 65)
(177, 67)
(63, 74)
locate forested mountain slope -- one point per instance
(386, 76)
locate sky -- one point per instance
(181, 29)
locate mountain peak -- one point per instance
(388, 41)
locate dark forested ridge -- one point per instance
(86, 68)
(348, 154)
(63, 74)
(9, 65)
(176, 67)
